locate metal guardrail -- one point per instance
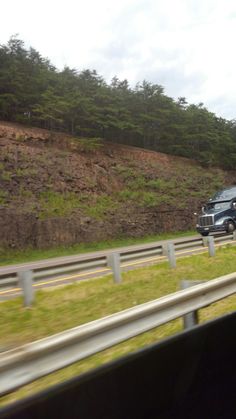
(32, 361)
(84, 264)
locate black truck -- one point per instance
(219, 214)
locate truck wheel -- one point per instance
(205, 233)
(230, 227)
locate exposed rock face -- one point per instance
(54, 191)
(26, 230)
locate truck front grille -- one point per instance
(206, 220)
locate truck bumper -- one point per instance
(211, 229)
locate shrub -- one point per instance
(89, 144)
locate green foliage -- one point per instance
(55, 204)
(143, 198)
(139, 182)
(162, 184)
(158, 185)
(23, 172)
(100, 207)
(150, 199)
(3, 196)
(81, 103)
(89, 144)
(125, 172)
(128, 194)
(6, 175)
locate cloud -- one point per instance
(184, 45)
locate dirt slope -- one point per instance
(58, 190)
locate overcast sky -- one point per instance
(187, 46)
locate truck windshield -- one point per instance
(218, 206)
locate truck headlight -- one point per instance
(220, 221)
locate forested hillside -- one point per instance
(83, 104)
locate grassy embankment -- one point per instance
(81, 302)
(11, 256)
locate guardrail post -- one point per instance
(26, 283)
(170, 253)
(234, 235)
(204, 241)
(113, 261)
(164, 250)
(211, 247)
(190, 319)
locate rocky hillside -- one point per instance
(58, 190)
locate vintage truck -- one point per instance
(219, 214)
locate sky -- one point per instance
(186, 46)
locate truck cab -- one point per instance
(219, 214)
